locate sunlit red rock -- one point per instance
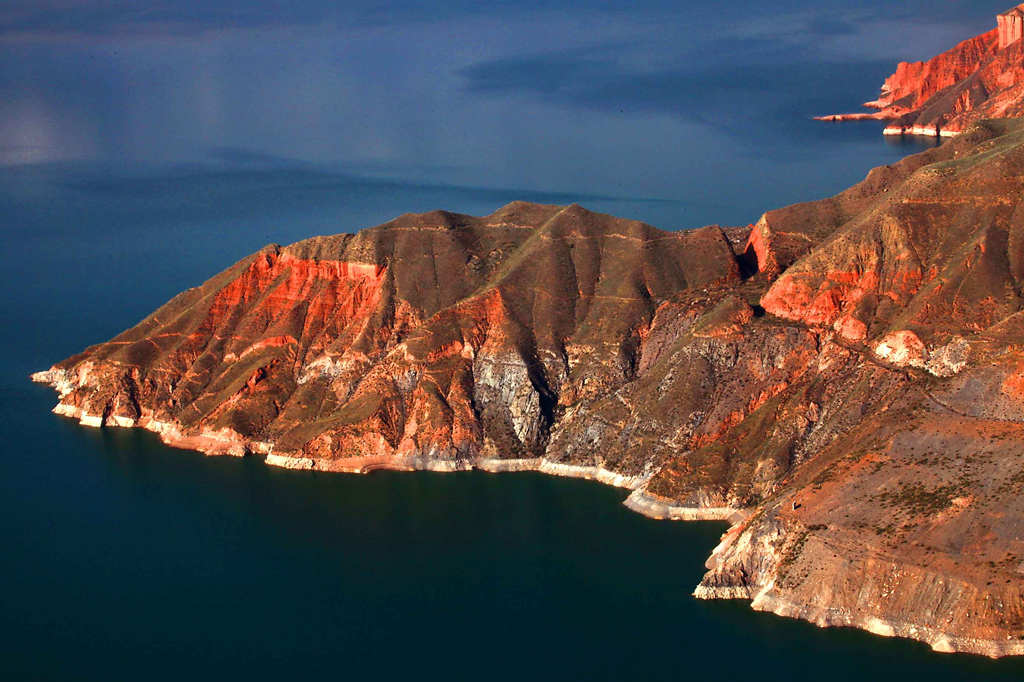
(982, 77)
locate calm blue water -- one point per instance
(143, 151)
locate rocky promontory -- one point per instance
(843, 380)
(981, 78)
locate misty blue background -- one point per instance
(697, 102)
(146, 146)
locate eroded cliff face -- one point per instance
(435, 340)
(843, 380)
(977, 79)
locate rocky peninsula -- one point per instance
(843, 381)
(980, 78)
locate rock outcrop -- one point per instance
(1010, 25)
(843, 380)
(981, 78)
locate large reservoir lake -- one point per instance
(126, 559)
(143, 150)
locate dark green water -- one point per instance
(125, 559)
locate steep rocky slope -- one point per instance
(975, 80)
(843, 380)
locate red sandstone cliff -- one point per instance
(979, 78)
(844, 380)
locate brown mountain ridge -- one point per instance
(843, 380)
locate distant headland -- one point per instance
(982, 77)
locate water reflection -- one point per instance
(911, 144)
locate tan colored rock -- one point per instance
(902, 348)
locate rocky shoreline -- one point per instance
(760, 596)
(921, 131)
(842, 381)
(941, 642)
(892, 130)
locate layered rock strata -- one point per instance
(843, 381)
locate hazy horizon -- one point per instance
(650, 99)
